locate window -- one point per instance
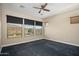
(38, 28)
(28, 27)
(14, 27)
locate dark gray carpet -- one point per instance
(41, 47)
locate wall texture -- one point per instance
(7, 42)
(59, 28)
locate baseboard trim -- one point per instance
(65, 42)
(19, 42)
(38, 39)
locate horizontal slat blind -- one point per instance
(16, 20)
(28, 22)
(38, 23)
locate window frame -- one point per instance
(14, 24)
(23, 28)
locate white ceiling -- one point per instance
(54, 8)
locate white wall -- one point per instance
(7, 42)
(59, 28)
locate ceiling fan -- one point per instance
(42, 8)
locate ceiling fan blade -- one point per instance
(43, 6)
(36, 8)
(46, 10)
(40, 11)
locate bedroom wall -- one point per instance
(59, 28)
(7, 42)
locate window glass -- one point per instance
(28, 27)
(28, 22)
(15, 20)
(38, 28)
(14, 27)
(28, 30)
(38, 23)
